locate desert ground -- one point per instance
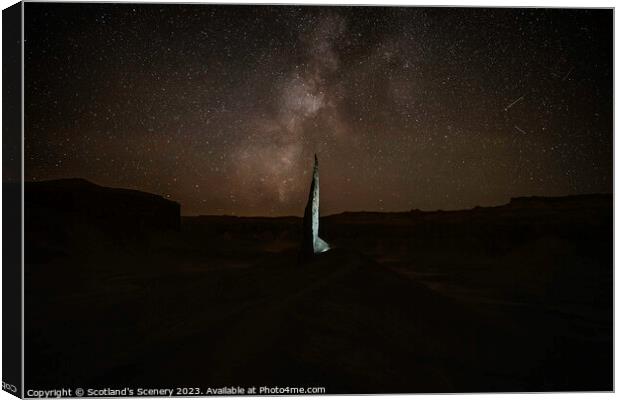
(510, 298)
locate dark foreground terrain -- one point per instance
(509, 298)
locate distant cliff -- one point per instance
(77, 201)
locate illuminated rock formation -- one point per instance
(311, 242)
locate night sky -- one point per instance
(221, 108)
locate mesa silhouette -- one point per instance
(124, 291)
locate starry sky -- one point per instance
(222, 107)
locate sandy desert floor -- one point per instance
(510, 298)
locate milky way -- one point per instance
(222, 107)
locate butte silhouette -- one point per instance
(311, 243)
